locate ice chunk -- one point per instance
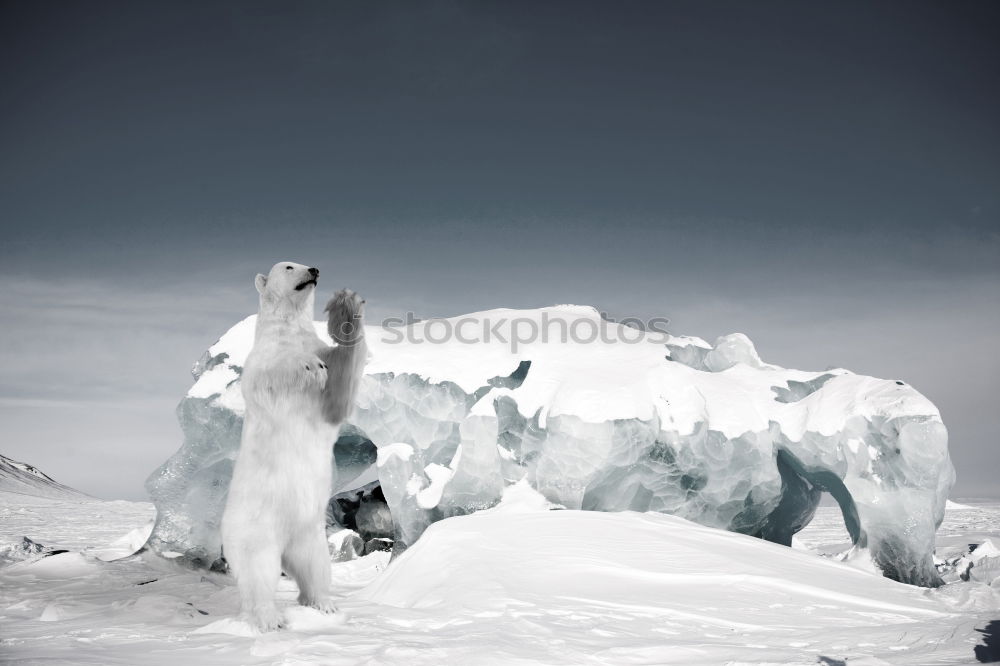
(984, 564)
(981, 563)
(709, 433)
(189, 489)
(26, 549)
(401, 473)
(346, 545)
(124, 546)
(473, 480)
(730, 350)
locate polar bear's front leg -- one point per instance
(345, 362)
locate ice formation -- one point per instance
(595, 416)
(980, 562)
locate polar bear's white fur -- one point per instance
(297, 391)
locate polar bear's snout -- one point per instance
(313, 275)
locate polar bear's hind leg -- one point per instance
(307, 560)
(257, 571)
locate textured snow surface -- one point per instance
(709, 433)
(512, 585)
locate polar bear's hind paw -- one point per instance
(322, 605)
(266, 620)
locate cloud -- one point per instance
(93, 369)
(105, 340)
(936, 334)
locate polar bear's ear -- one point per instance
(260, 282)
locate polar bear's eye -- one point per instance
(288, 268)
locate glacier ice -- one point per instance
(707, 432)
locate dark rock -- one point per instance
(375, 545)
(363, 510)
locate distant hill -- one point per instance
(22, 478)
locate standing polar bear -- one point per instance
(297, 391)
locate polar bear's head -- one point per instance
(288, 289)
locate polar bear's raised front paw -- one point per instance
(297, 371)
(345, 310)
(315, 371)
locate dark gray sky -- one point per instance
(822, 176)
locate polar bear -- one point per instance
(297, 391)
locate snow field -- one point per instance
(513, 585)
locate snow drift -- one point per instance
(615, 421)
(496, 588)
(622, 560)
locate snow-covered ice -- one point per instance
(516, 584)
(626, 421)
